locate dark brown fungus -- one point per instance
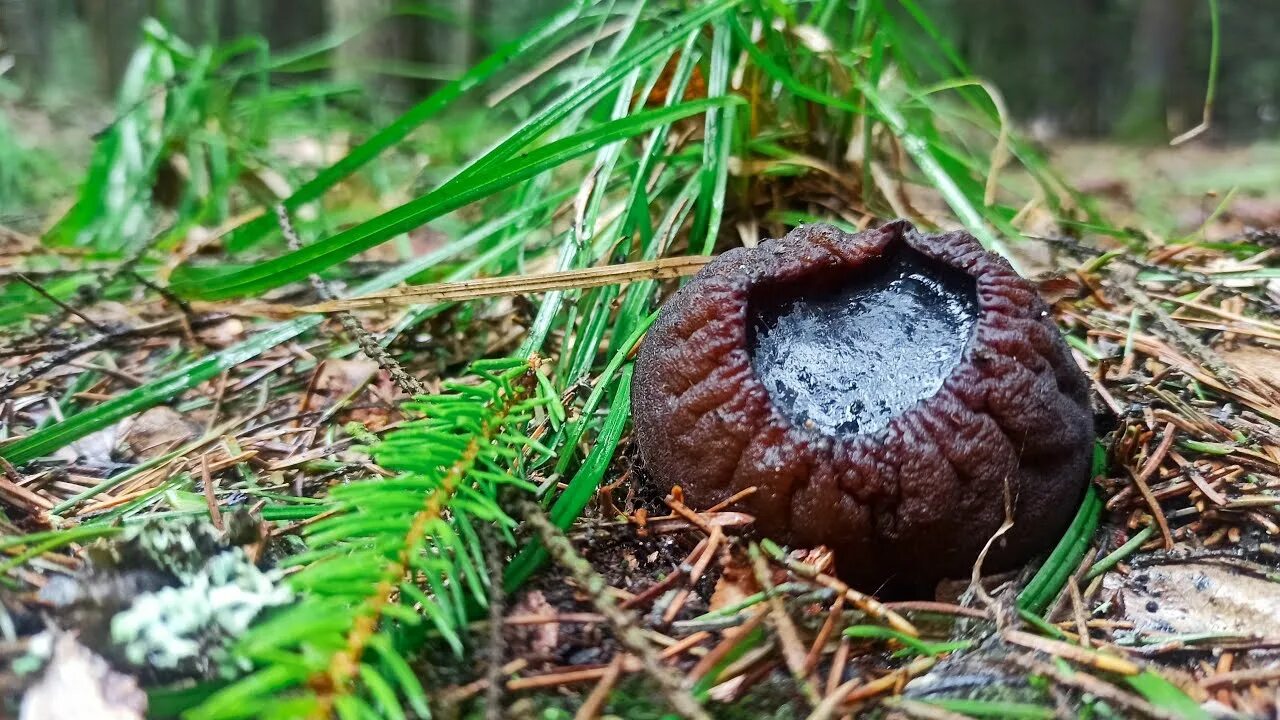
(880, 390)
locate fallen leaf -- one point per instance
(222, 334)
(1196, 598)
(735, 584)
(339, 378)
(1256, 361)
(158, 430)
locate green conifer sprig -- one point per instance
(393, 553)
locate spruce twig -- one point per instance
(393, 553)
(345, 665)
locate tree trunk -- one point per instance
(290, 22)
(26, 33)
(114, 30)
(1159, 40)
(356, 60)
(453, 44)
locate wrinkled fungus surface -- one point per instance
(879, 390)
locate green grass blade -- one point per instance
(918, 148)
(153, 393)
(576, 431)
(1051, 577)
(623, 66)
(1166, 696)
(583, 228)
(913, 644)
(255, 230)
(582, 487)
(330, 251)
(993, 709)
(716, 145)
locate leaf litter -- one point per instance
(1167, 613)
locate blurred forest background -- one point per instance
(410, 142)
(1101, 86)
(1127, 69)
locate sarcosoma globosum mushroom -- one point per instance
(880, 390)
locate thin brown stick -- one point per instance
(600, 693)
(458, 290)
(856, 690)
(555, 679)
(369, 345)
(711, 546)
(1074, 653)
(66, 307)
(1078, 612)
(930, 606)
(870, 605)
(206, 479)
(549, 618)
(731, 500)
(1253, 676)
(824, 634)
(839, 662)
(622, 622)
(726, 645)
(675, 501)
(1148, 470)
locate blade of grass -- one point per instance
(1121, 552)
(953, 65)
(640, 295)
(581, 488)
(791, 83)
(993, 709)
(254, 230)
(313, 258)
(562, 107)
(718, 137)
(945, 184)
(584, 227)
(575, 432)
(915, 645)
(1166, 696)
(1051, 576)
(523, 135)
(1211, 87)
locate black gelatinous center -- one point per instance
(847, 359)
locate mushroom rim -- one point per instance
(958, 251)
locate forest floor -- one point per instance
(1176, 586)
(1176, 190)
